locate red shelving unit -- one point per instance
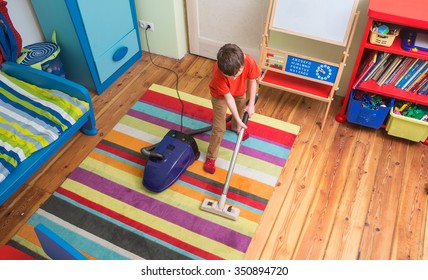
(391, 91)
(405, 14)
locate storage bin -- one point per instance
(357, 113)
(382, 39)
(405, 127)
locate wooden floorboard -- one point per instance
(408, 244)
(350, 217)
(381, 216)
(347, 192)
(329, 188)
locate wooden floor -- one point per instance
(346, 193)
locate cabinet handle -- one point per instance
(120, 53)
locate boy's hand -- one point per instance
(241, 125)
(250, 110)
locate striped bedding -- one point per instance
(31, 118)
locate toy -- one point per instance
(43, 56)
(414, 40)
(383, 29)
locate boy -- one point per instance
(233, 75)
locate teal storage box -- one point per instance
(370, 116)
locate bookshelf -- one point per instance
(405, 15)
(297, 73)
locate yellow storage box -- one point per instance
(405, 127)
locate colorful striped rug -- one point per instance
(103, 210)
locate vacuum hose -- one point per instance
(149, 153)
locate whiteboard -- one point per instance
(325, 20)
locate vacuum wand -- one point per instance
(220, 207)
(232, 163)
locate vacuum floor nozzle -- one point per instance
(227, 211)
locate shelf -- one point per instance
(295, 84)
(406, 14)
(396, 48)
(391, 91)
(402, 12)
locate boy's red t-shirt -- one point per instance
(220, 85)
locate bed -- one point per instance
(72, 112)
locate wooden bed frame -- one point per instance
(86, 123)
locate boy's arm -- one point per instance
(252, 88)
(230, 101)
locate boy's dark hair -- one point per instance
(230, 59)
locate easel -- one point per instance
(299, 74)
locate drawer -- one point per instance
(105, 23)
(117, 55)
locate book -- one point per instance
(421, 87)
(388, 72)
(383, 67)
(413, 67)
(400, 70)
(419, 77)
(365, 67)
(418, 69)
(418, 82)
(382, 58)
(424, 89)
(418, 87)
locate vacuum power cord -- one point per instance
(175, 73)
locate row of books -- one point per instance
(407, 73)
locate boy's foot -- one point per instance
(246, 134)
(209, 165)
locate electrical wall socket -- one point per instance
(143, 24)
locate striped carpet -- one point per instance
(103, 210)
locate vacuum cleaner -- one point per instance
(168, 159)
(220, 207)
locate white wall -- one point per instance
(23, 18)
(168, 17)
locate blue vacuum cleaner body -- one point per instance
(169, 159)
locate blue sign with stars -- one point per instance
(311, 69)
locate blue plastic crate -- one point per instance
(357, 113)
